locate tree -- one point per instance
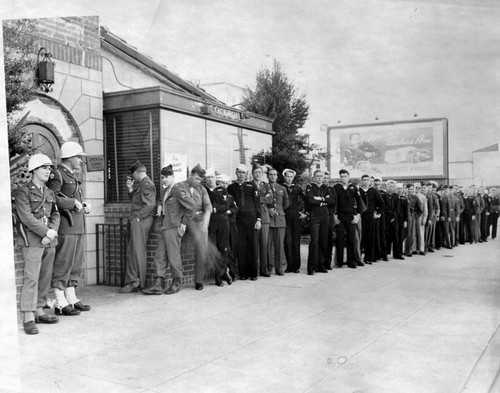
(275, 96)
(19, 61)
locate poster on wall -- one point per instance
(411, 149)
(179, 164)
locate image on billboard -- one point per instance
(412, 149)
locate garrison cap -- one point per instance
(198, 170)
(167, 171)
(137, 166)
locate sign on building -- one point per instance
(179, 164)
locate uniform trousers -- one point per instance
(319, 240)
(168, 256)
(275, 248)
(136, 265)
(38, 263)
(330, 242)
(218, 232)
(68, 261)
(368, 236)
(410, 233)
(346, 235)
(247, 255)
(200, 235)
(493, 222)
(484, 226)
(393, 239)
(233, 247)
(419, 234)
(261, 239)
(429, 232)
(445, 233)
(292, 243)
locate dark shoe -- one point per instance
(310, 273)
(198, 286)
(385, 259)
(243, 278)
(30, 327)
(288, 271)
(430, 250)
(368, 262)
(227, 278)
(297, 271)
(322, 271)
(44, 318)
(280, 274)
(338, 266)
(421, 253)
(352, 266)
(253, 278)
(408, 255)
(400, 258)
(174, 287)
(219, 283)
(68, 310)
(360, 264)
(414, 253)
(81, 307)
(328, 267)
(129, 288)
(265, 275)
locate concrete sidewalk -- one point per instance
(426, 324)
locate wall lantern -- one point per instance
(45, 70)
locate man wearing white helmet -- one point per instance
(37, 210)
(69, 253)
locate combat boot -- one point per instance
(155, 289)
(174, 287)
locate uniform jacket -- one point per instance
(480, 203)
(349, 201)
(280, 203)
(199, 194)
(322, 191)
(246, 197)
(176, 202)
(470, 206)
(454, 207)
(143, 197)
(495, 204)
(219, 198)
(423, 205)
(392, 208)
(414, 204)
(373, 200)
(266, 200)
(295, 200)
(436, 208)
(487, 203)
(387, 203)
(444, 205)
(404, 208)
(67, 189)
(37, 217)
(233, 209)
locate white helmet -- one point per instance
(71, 149)
(38, 160)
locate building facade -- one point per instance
(122, 106)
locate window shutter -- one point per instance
(130, 136)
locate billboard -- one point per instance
(413, 149)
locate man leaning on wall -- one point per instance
(142, 193)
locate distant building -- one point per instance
(227, 92)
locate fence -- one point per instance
(111, 259)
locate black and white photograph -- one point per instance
(297, 196)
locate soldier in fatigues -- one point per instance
(37, 210)
(198, 220)
(277, 227)
(69, 251)
(142, 193)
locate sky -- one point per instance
(354, 60)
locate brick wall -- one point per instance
(116, 213)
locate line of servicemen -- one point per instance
(242, 229)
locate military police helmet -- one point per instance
(38, 160)
(71, 149)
